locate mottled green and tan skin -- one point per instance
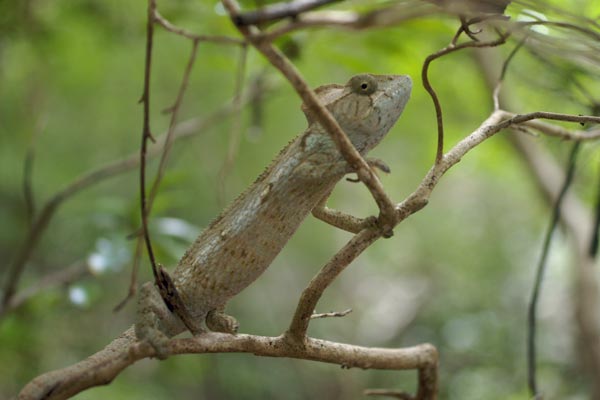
(243, 241)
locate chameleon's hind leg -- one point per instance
(218, 321)
(152, 317)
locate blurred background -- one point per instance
(458, 274)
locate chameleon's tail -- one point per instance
(102, 366)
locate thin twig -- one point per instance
(146, 134)
(452, 47)
(332, 314)
(132, 289)
(174, 110)
(313, 292)
(220, 39)
(529, 121)
(579, 135)
(163, 281)
(380, 18)
(66, 276)
(539, 275)
(274, 12)
(505, 64)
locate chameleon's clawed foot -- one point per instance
(376, 163)
(218, 321)
(155, 338)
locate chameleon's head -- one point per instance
(367, 106)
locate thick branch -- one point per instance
(104, 366)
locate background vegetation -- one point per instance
(457, 275)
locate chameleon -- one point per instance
(240, 244)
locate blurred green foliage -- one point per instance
(457, 274)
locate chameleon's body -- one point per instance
(243, 241)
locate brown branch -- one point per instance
(146, 135)
(66, 276)
(420, 197)
(277, 11)
(313, 292)
(162, 280)
(595, 239)
(380, 18)
(324, 117)
(333, 314)
(553, 130)
(132, 289)
(174, 110)
(220, 39)
(540, 272)
(104, 366)
(452, 47)
(505, 64)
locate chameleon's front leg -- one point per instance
(343, 220)
(218, 321)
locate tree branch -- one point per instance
(452, 47)
(162, 21)
(313, 292)
(273, 12)
(380, 18)
(102, 367)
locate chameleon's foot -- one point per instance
(218, 321)
(376, 163)
(154, 338)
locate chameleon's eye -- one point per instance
(363, 84)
